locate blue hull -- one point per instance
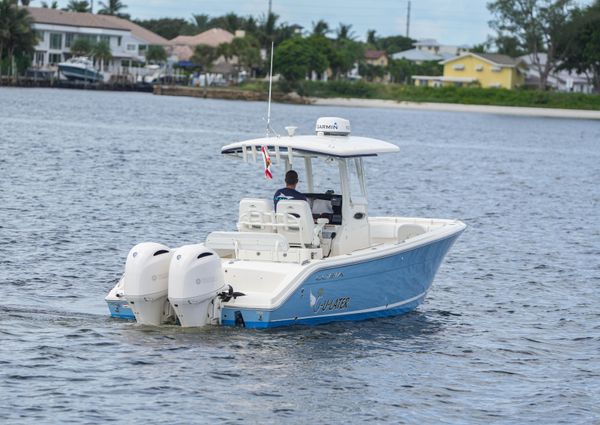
(386, 286)
(120, 310)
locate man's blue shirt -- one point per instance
(286, 194)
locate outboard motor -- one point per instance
(195, 279)
(146, 281)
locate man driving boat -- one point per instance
(289, 192)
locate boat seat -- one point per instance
(256, 215)
(295, 222)
(248, 241)
(393, 232)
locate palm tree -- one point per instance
(156, 54)
(204, 56)
(320, 28)
(371, 37)
(112, 7)
(16, 32)
(25, 2)
(81, 47)
(101, 51)
(344, 32)
(78, 6)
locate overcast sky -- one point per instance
(448, 21)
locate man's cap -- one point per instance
(291, 177)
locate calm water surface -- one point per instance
(510, 332)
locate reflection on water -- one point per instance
(508, 334)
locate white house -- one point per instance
(57, 29)
(430, 50)
(559, 80)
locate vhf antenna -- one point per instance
(269, 128)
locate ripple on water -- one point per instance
(509, 333)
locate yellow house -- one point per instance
(376, 57)
(487, 70)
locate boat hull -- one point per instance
(120, 309)
(80, 74)
(389, 285)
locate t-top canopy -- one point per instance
(337, 146)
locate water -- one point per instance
(510, 332)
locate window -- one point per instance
(479, 68)
(119, 41)
(40, 36)
(69, 37)
(105, 39)
(39, 58)
(56, 41)
(131, 47)
(54, 58)
(355, 180)
(496, 69)
(458, 67)
(143, 47)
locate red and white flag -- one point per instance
(266, 162)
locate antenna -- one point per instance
(408, 20)
(269, 128)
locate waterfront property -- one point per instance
(430, 50)
(559, 80)
(57, 30)
(486, 70)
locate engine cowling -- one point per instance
(195, 278)
(146, 282)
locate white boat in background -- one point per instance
(305, 263)
(81, 69)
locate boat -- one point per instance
(80, 68)
(305, 263)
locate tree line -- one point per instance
(558, 34)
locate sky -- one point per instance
(449, 21)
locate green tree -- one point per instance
(204, 56)
(101, 52)
(580, 43)
(247, 50)
(320, 28)
(201, 22)
(81, 47)
(296, 57)
(509, 45)
(113, 7)
(78, 6)
(17, 38)
(53, 5)
(372, 37)
(394, 44)
(344, 32)
(168, 28)
(156, 54)
(537, 25)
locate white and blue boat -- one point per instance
(80, 69)
(306, 263)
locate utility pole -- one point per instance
(408, 20)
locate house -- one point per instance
(558, 80)
(56, 30)
(487, 70)
(182, 47)
(376, 57)
(430, 50)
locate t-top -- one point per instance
(287, 194)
